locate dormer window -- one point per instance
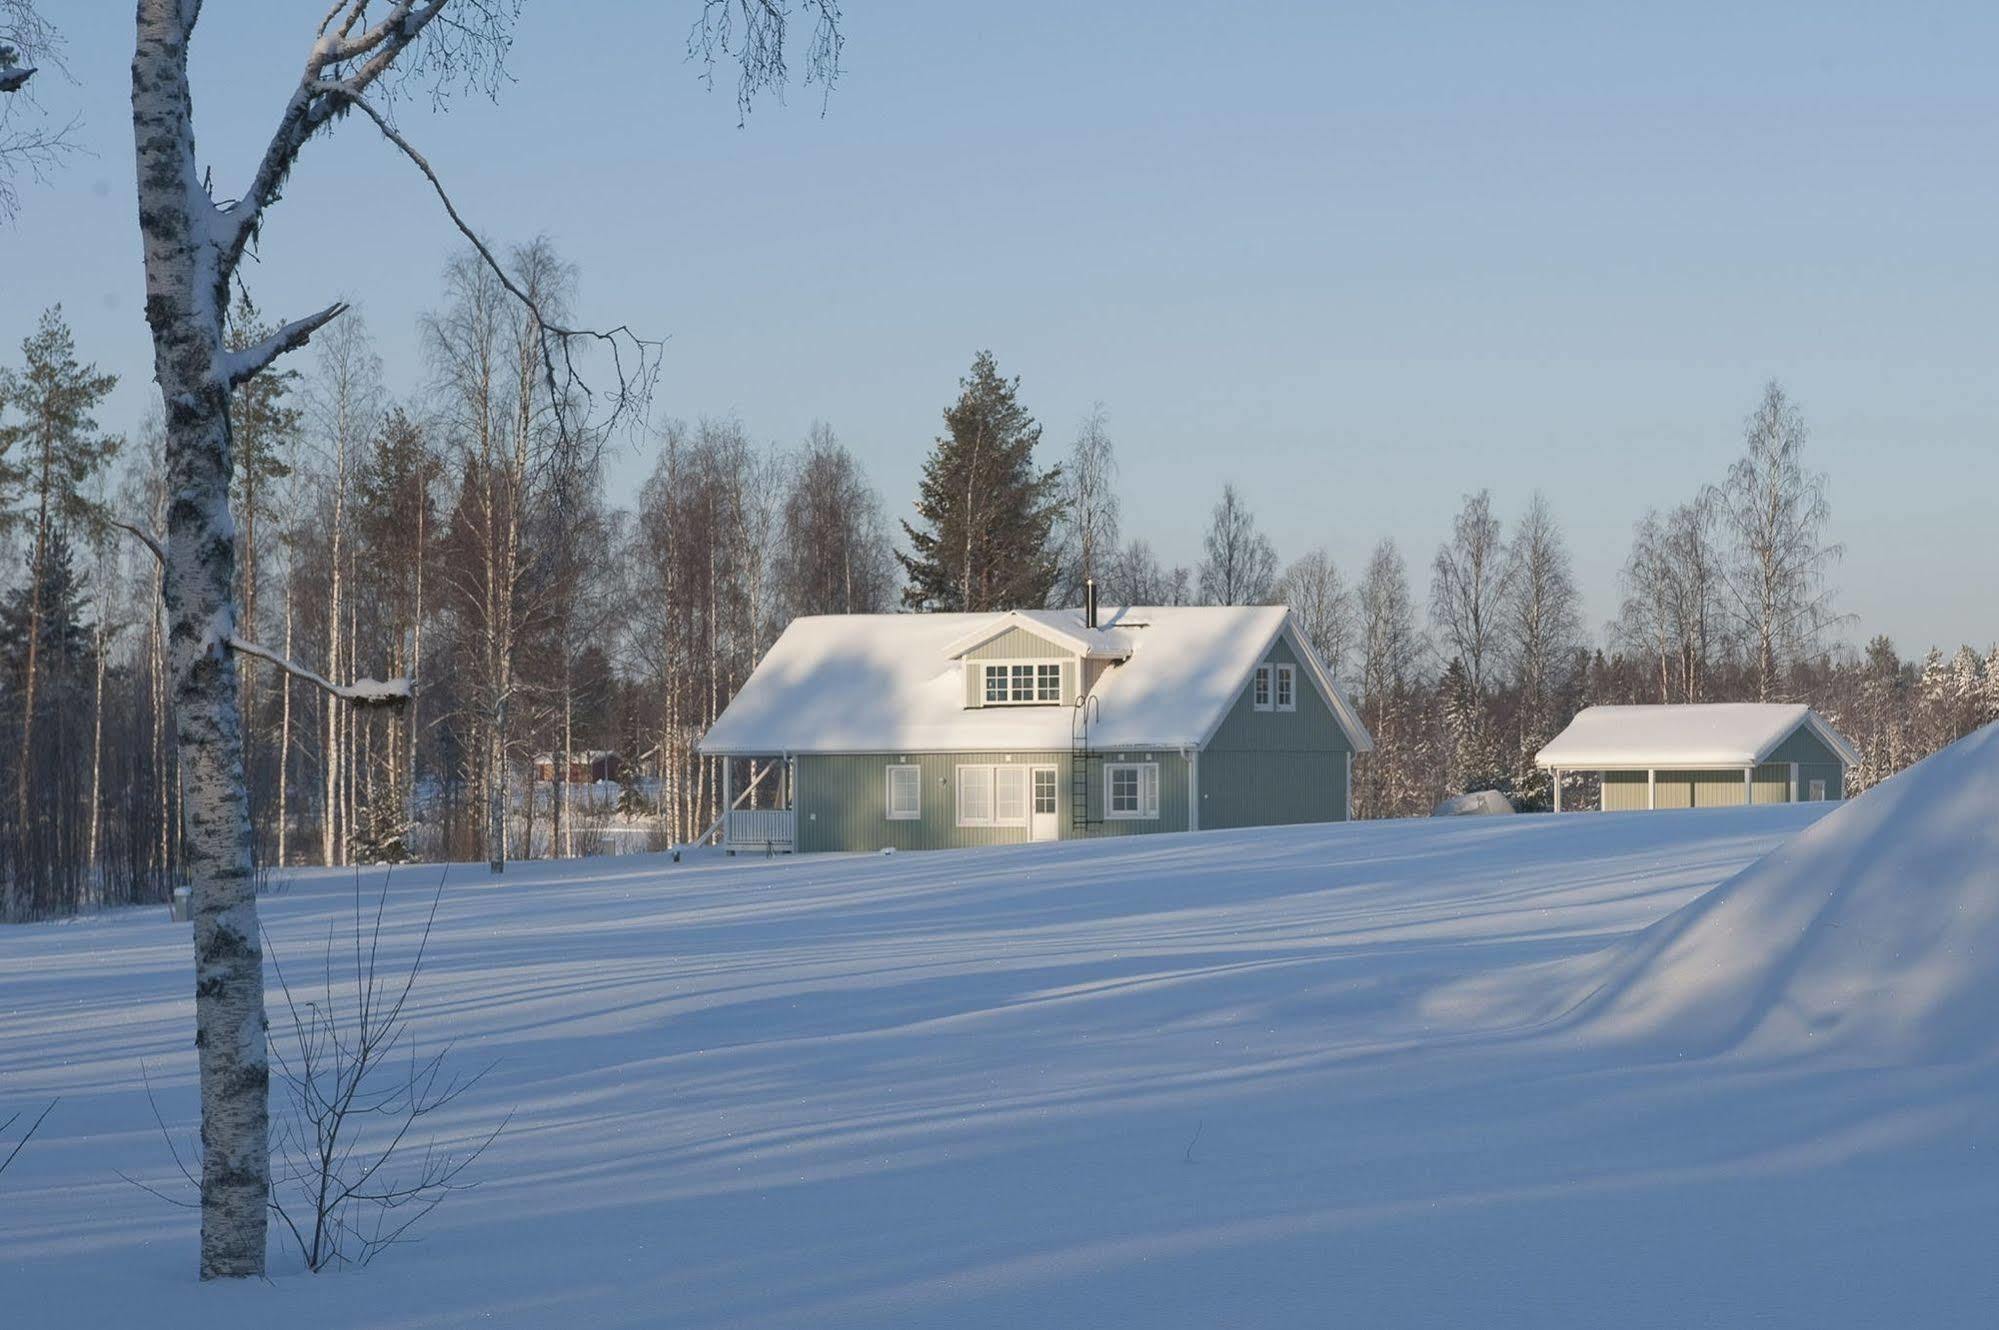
(1023, 684)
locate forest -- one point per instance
(461, 538)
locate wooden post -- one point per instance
(1558, 789)
(728, 801)
(1652, 789)
(1748, 786)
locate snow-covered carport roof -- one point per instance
(1687, 736)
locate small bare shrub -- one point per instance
(349, 1175)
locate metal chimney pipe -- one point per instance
(1089, 602)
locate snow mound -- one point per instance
(1875, 932)
(1476, 804)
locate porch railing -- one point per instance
(758, 828)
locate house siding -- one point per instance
(843, 800)
(1019, 644)
(1832, 773)
(1268, 768)
(1624, 792)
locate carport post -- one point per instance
(1652, 790)
(1558, 789)
(1748, 786)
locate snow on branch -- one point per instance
(362, 692)
(240, 366)
(16, 78)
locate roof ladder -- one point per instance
(1080, 770)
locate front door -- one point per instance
(1044, 821)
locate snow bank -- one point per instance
(1875, 932)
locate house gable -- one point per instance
(1016, 643)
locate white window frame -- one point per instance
(1262, 691)
(1015, 777)
(915, 787)
(991, 815)
(1284, 693)
(1815, 791)
(1021, 683)
(961, 785)
(1148, 792)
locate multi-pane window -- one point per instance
(975, 796)
(1287, 687)
(1010, 796)
(1131, 790)
(905, 793)
(992, 796)
(1260, 689)
(1044, 789)
(1023, 683)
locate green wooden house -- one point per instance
(1702, 755)
(935, 731)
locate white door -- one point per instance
(1045, 821)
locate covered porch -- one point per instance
(759, 805)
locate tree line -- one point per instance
(460, 537)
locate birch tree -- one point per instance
(1238, 564)
(835, 556)
(1086, 528)
(1542, 619)
(1324, 606)
(32, 141)
(1776, 510)
(193, 243)
(1468, 585)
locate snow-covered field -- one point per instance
(1277, 1078)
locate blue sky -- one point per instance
(1356, 259)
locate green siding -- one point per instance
(842, 801)
(1804, 747)
(1832, 773)
(1265, 768)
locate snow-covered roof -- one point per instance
(892, 683)
(1702, 734)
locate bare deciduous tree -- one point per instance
(1086, 526)
(835, 553)
(350, 1176)
(1543, 621)
(1776, 511)
(1238, 565)
(193, 244)
(1323, 605)
(31, 141)
(1468, 585)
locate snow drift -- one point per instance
(1874, 932)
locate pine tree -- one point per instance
(985, 508)
(47, 460)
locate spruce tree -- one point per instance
(985, 509)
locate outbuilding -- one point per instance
(1702, 755)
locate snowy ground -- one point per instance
(1278, 1078)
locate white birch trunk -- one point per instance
(185, 294)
